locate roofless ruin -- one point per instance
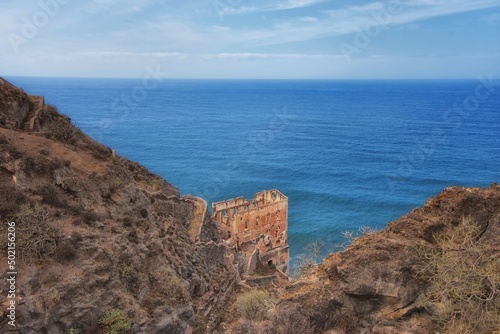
(257, 228)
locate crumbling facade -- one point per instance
(258, 228)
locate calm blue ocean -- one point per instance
(346, 153)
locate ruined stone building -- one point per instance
(258, 228)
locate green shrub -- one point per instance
(174, 288)
(253, 305)
(129, 277)
(463, 276)
(150, 303)
(115, 321)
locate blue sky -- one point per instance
(288, 39)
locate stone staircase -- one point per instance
(30, 120)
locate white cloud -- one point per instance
(80, 33)
(175, 55)
(227, 9)
(292, 4)
(308, 19)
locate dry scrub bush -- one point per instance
(245, 327)
(10, 200)
(174, 288)
(50, 196)
(362, 231)
(284, 320)
(463, 276)
(288, 320)
(150, 303)
(36, 240)
(130, 277)
(169, 286)
(3, 140)
(306, 263)
(40, 166)
(253, 305)
(57, 126)
(200, 325)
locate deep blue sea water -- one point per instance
(346, 153)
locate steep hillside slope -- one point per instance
(99, 236)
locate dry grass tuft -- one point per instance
(463, 276)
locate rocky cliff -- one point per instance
(104, 246)
(435, 269)
(14, 104)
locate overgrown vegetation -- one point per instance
(115, 321)
(463, 277)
